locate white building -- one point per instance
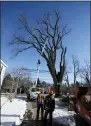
(3, 67)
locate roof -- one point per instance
(3, 63)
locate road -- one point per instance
(30, 116)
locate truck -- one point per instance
(82, 105)
(34, 91)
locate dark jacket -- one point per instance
(49, 102)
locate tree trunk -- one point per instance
(57, 89)
(56, 78)
(53, 74)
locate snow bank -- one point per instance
(63, 116)
(12, 112)
(56, 99)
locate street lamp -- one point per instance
(38, 63)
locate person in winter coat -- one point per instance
(49, 106)
(40, 104)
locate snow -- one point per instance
(12, 111)
(56, 99)
(3, 100)
(63, 116)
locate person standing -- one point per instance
(40, 104)
(49, 106)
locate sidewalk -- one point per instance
(38, 123)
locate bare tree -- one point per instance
(66, 77)
(21, 76)
(36, 38)
(76, 68)
(21, 72)
(85, 72)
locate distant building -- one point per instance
(3, 67)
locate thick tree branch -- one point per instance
(37, 38)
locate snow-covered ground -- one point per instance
(3, 100)
(12, 112)
(63, 116)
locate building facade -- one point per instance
(3, 67)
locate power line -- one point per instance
(35, 70)
(42, 78)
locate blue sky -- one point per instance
(75, 14)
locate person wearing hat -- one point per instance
(40, 104)
(49, 106)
